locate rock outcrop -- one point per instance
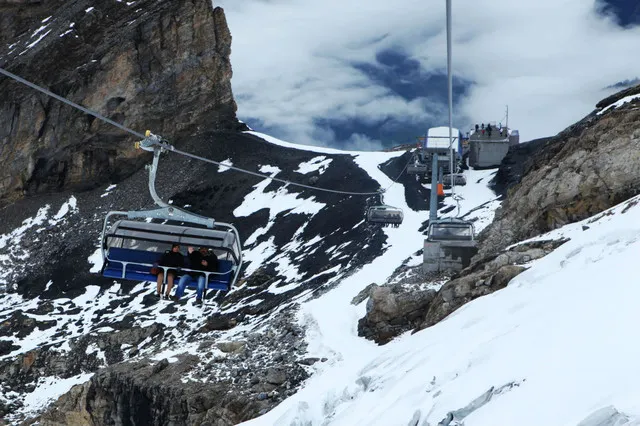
(160, 65)
(392, 310)
(146, 393)
(482, 278)
(589, 167)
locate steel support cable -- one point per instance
(68, 102)
(170, 147)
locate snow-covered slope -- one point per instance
(558, 346)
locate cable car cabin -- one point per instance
(131, 248)
(450, 246)
(417, 168)
(458, 180)
(385, 215)
(450, 230)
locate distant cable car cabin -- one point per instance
(449, 246)
(385, 215)
(132, 246)
(450, 230)
(458, 180)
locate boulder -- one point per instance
(363, 295)
(218, 322)
(478, 280)
(276, 376)
(392, 311)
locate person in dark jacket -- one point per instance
(200, 260)
(172, 258)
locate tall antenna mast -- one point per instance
(507, 120)
(450, 87)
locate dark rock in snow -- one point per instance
(276, 376)
(7, 346)
(364, 294)
(218, 322)
(392, 311)
(482, 278)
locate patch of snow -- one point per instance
(16, 235)
(256, 255)
(67, 206)
(38, 31)
(30, 45)
(49, 389)
(96, 260)
(477, 201)
(108, 190)
(319, 164)
(311, 148)
(227, 163)
(46, 19)
(277, 202)
(89, 9)
(619, 103)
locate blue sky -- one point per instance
(359, 75)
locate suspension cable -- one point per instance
(171, 148)
(68, 102)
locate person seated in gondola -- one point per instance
(199, 260)
(172, 258)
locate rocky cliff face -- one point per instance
(585, 169)
(160, 65)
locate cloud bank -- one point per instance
(347, 73)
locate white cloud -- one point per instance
(548, 60)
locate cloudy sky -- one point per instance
(364, 74)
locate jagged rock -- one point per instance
(6, 346)
(587, 168)
(485, 279)
(258, 278)
(219, 322)
(364, 294)
(161, 65)
(276, 376)
(392, 311)
(135, 391)
(308, 361)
